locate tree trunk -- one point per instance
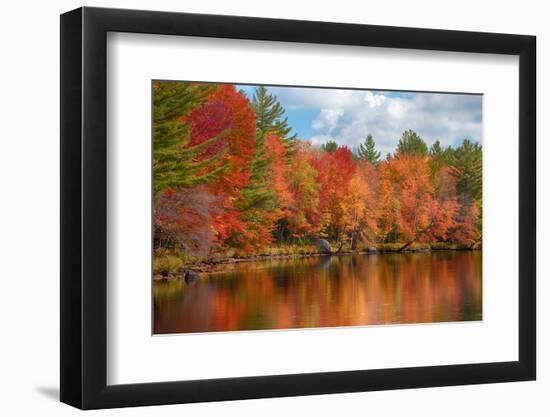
(405, 246)
(475, 243)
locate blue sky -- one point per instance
(347, 116)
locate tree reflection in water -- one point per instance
(325, 292)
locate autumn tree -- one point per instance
(467, 230)
(184, 220)
(259, 202)
(184, 161)
(177, 163)
(228, 175)
(226, 115)
(303, 214)
(279, 176)
(421, 216)
(387, 203)
(359, 209)
(241, 150)
(335, 171)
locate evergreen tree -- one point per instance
(442, 155)
(330, 146)
(412, 144)
(269, 120)
(440, 158)
(436, 150)
(367, 151)
(176, 163)
(259, 201)
(270, 117)
(466, 167)
(257, 194)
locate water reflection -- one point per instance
(325, 292)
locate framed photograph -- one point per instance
(258, 208)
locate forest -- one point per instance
(231, 180)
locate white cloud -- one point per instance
(327, 120)
(374, 100)
(324, 98)
(347, 116)
(397, 108)
(319, 139)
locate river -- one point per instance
(348, 290)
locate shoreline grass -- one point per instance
(169, 263)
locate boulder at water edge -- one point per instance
(323, 245)
(190, 276)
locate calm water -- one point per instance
(325, 292)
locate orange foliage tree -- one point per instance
(279, 175)
(303, 214)
(358, 208)
(224, 179)
(237, 117)
(335, 171)
(420, 215)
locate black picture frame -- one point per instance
(84, 207)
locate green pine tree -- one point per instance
(466, 167)
(367, 151)
(270, 117)
(442, 155)
(175, 163)
(412, 144)
(269, 120)
(436, 150)
(330, 146)
(258, 194)
(258, 198)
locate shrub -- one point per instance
(390, 247)
(166, 264)
(448, 246)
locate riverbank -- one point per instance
(221, 264)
